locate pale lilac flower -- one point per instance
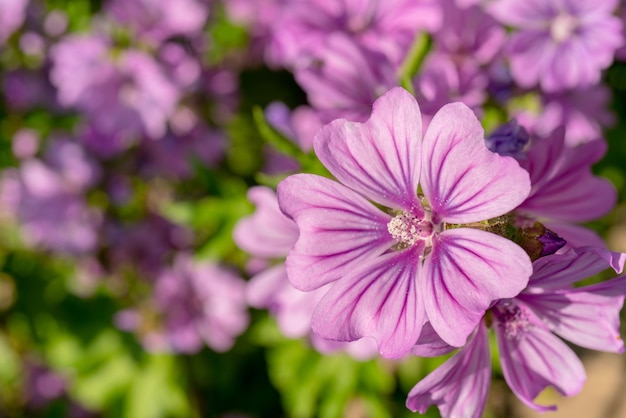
(394, 270)
(387, 27)
(442, 80)
(532, 357)
(268, 233)
(46, 199)
(133, 88)
(157, 20)
(196, 303)
(468, 33)
(583, 111)
(12, 15)
(342, 79)
(560, 44)
(564, 190)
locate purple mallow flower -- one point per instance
(12, 15)
(532, 357)
(393, 270)
(560, 44)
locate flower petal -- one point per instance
(560, 271)
(379, 158)
(467, 270)
(429, 344)
(587, 316)
(339, 230)
(267, 232)
(379, 300)
(464, 181)
(535, 360)
(459, 387)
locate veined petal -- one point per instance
(459, 387)
(467, 270)
(464, 181)
(339, 230)
(379, 158)
(379, 300)
(575, 235)
(559, 271)
(535, 360)
(587, 316)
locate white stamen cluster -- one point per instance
(407, 229)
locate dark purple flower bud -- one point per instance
(539, 241)
(508, 139)
(550, 242)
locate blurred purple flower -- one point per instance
(42, 385)
(560, 44)
(385, 27)
(28, 89)
(392, 271)
(583, 111)
(442, 80)
(46, 198)
(157, 20)
(12, 15)
(342, 80)
(134, 90)
(532, 357)
(198, 303)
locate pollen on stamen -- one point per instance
(407, 229)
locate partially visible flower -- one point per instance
(12, 15)
(532, 357)
(393, 270)
(46, 198)
(560, 44)
(509, 139)
(583, 111)
(564, 190)
(158, 20)
(196, 303)
(385, 27)
(342, 79)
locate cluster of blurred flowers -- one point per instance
(144, 140)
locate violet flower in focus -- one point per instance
(532, 357)
(394, 270)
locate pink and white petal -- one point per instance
(339, 230)
(379, 300)
(459, 387)
(379, 158)
(429, 344)
(535, 360)
(467, 270)
(529, 54)
(560, 271)
(267, 232)
(588, 316)
(464, 181)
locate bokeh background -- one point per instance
(130, 134)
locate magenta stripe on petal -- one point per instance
(339, 230)
(464, 181)
(379, 158)
(378, 299)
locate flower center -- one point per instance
(562, 27)
(407, 228)
(512, 320)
